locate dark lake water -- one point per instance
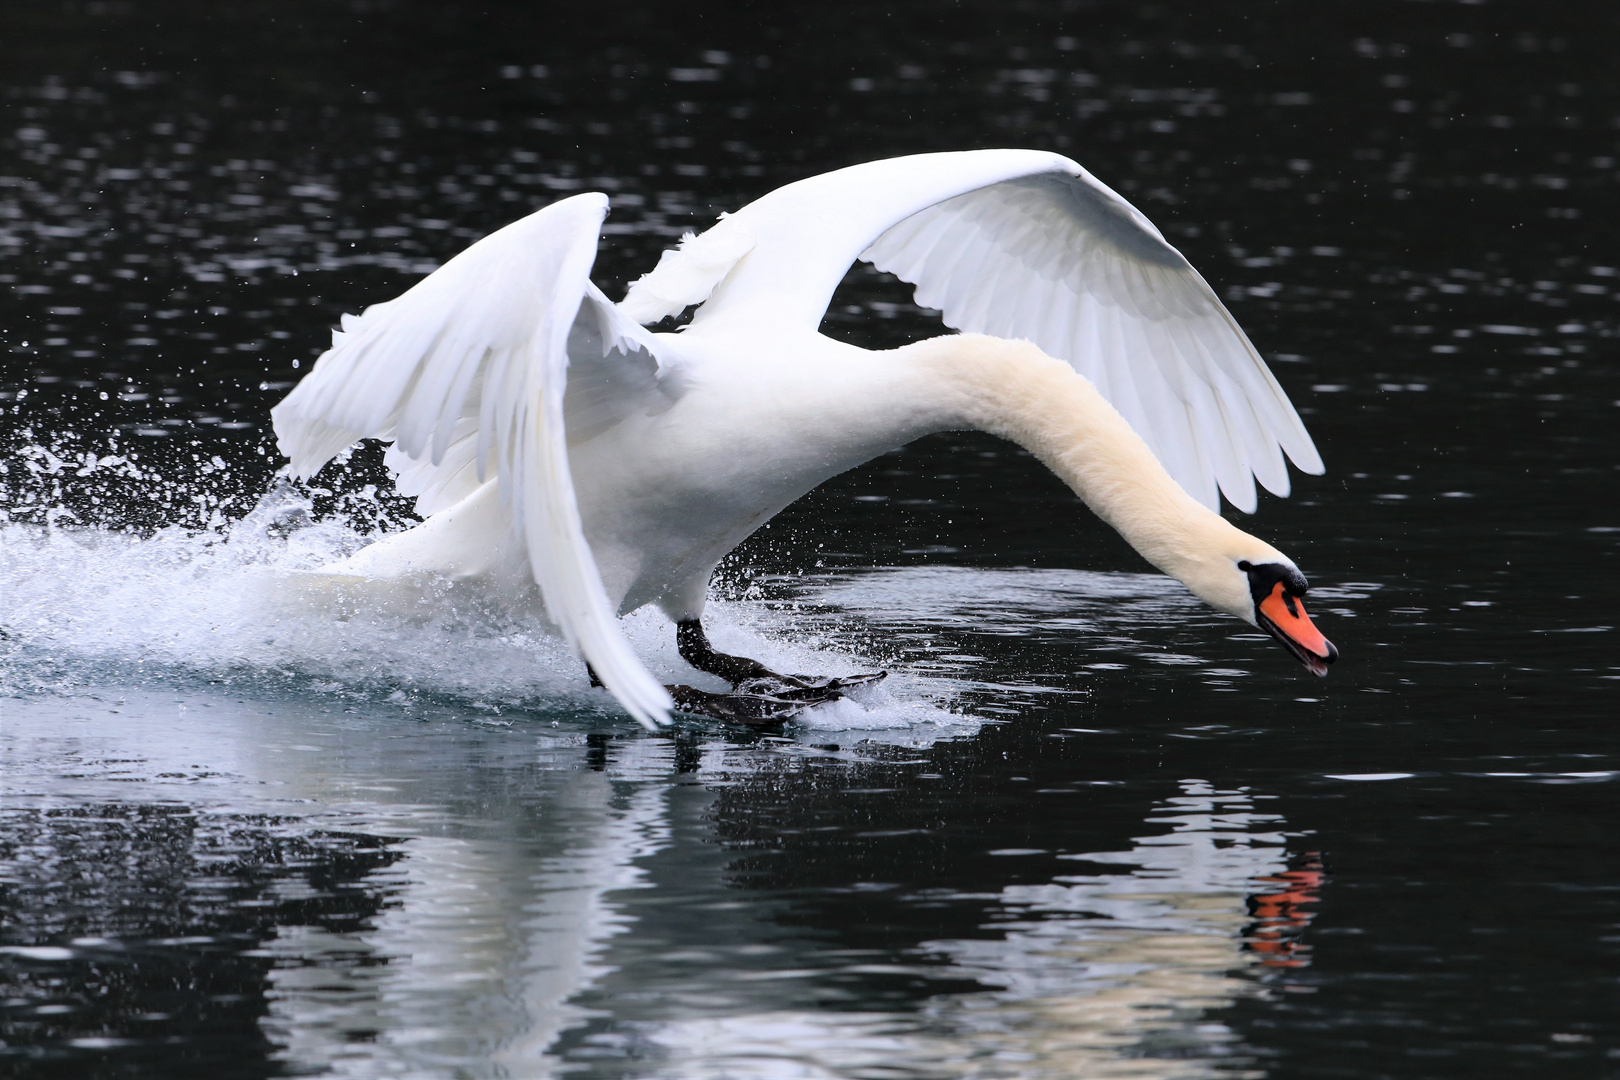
(1089, 828)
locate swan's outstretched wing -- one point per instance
(466, 372)
(1019, 244)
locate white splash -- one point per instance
(238, 601)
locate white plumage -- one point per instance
(1018, 244)
(465, 374)
(547, 435)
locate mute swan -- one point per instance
(552, 441)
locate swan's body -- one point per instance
(663, 498)
(627, 464)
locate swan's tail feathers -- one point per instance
(689, 274)
(466, 372)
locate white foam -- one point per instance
(87, 605)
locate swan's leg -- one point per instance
(754, 677)
(756, 705)
(760, 695)
(696, 650)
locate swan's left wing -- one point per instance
(1018, 244)
(467, 373)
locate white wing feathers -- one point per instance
(1070, 266)
(1023, 244)
(466, 372)
(439, 485)
(687, 275)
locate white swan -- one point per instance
(550, 439)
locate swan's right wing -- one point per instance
(467, 373)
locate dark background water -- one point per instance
(1409, 206)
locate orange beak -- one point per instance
(1283, 617)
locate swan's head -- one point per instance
(1249, 578)
(1277, 606)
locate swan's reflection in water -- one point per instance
(494, 957)
(536, 904)
(470, 969)
(1097, 975)
(1121, 974)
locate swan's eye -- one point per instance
(1265, 577)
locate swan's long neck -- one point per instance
(1014, 390)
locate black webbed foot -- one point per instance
(748, 706)
(831, 682)
(759, 695)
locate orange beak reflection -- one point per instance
(1283, 617)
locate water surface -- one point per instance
(1088, 828)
